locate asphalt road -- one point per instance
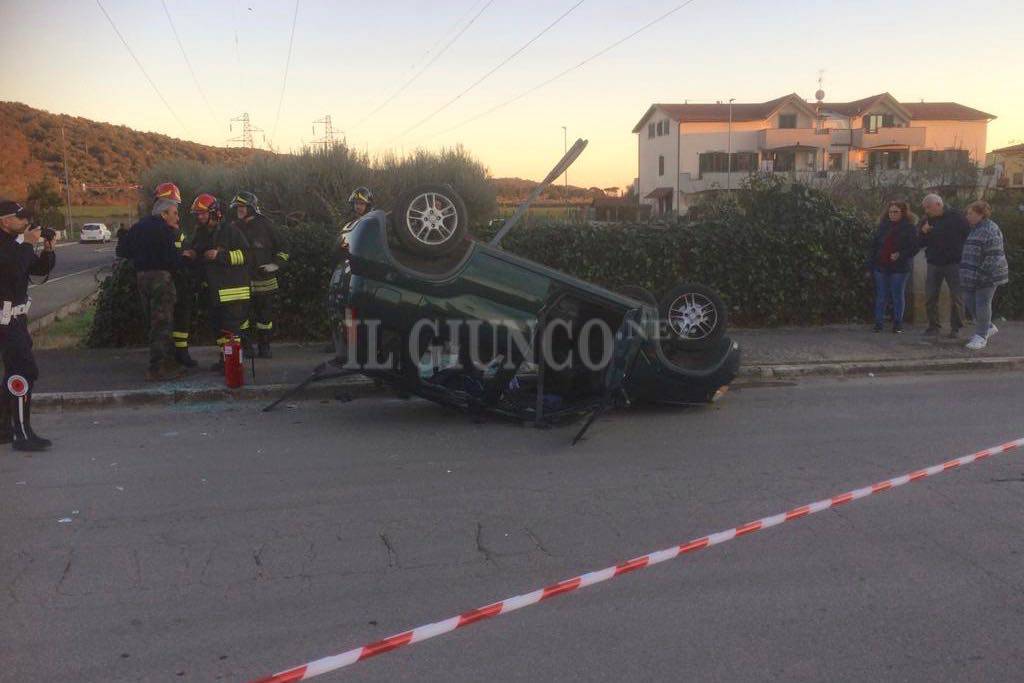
(217, 543)
(73, 277)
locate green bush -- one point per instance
(781, 254)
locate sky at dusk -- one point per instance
(349, 58)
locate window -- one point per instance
(784, 161)
(650, 130)
(787, 120)
(835, 161)
(872, 122)
(661, 165)
(887, 161)
(925, 159)
(1018, 179)
(666, 126)
(718, 162)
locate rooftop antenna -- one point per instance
(819, 95)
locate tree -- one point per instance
(44, 198)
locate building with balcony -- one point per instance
(1008, 165)
(685, 149)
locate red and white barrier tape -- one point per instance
(416, 635)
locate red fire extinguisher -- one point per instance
(234, 370)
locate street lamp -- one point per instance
(728, 156)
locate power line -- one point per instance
(565, 72)
(490, 73)
(284, 81)
(426, 66)
(188, 63)
(142, 69)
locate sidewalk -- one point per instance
(98, 376)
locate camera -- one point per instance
(49, 234)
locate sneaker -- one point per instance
(931, 332)
(977, 343)
(992, 329)
(878, 327)
(897, 328)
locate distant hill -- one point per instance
(108, 158)
(515, 190)
(99, 154)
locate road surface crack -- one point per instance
(536, 541)
(67, 570)
(257, 557)
(392, 555)
(481, 548)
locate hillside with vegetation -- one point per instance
(108, 159)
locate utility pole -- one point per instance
(565, 150)
(329, 139)
(246, 138)
(67, 182)
(728, 156)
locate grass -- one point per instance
(66, 333)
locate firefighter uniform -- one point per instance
(267, 255)
(185, 288)
(17, 262)
(227, 279)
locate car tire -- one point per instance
(430, 220)
(694, 317)
(640, 294)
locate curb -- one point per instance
(63, 312)
(171, 395)
(858, 368)
(360, 386)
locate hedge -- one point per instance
(777, 253)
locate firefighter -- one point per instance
(266, 256)
(186, 281)
(18, 260)
(150, 246)
(221, 248)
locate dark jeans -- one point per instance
(933, 285)
(156, 289)
(979, 304)
(890, 288)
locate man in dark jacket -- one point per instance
(150, 246)
(267, 255)
(943, 232)
(221, 249)
(18, 260)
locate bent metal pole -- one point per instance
(421, 633)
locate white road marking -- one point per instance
(58, 279)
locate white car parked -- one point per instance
(94, 232)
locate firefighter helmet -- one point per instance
(208, 203)
(248, 200)
(168, 191)
(361, 194)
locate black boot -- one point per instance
(264, 345)
(25, 439)
(183, 358)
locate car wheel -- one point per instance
(640, 294)
(694, 316)
(430, 220)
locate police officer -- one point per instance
(220, 248)
(18, 260)
(150, 245)
(267, 255)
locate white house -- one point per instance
(685, 149)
